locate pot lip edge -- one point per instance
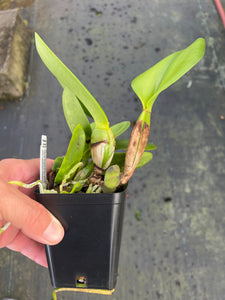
(36, 192)
(82, 199)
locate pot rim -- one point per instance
(82, 198)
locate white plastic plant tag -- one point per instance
(43, 157)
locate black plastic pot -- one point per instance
(88, 255)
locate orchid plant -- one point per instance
(92, 163)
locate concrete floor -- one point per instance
(177, 250)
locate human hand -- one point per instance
(32, 225)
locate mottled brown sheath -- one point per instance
(135, 149)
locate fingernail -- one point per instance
(54, 232)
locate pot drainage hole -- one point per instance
(81, 282)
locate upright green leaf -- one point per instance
(120, 128)
(67, 79)
(74, 153)
(152, 82)
(74, 113)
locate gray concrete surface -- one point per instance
(177, 250)
(15, 42)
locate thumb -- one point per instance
(33, 219)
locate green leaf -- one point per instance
(121, 144)
(150, 147)
(57, 163)
(152, 82)
(71, 173)
(92, 126)
(67, 79)
(69, 176)
(74, 113)
(120, 128)
(87, 153)
(111, 179)
(86, 111)
(74, 153)
(119, 159)
(85, 172)
(146, 158)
